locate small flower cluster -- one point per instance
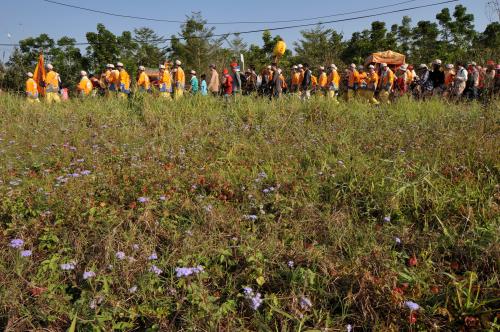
(155, 269)
(412, 305)
(305, 303)
(255, 299)
(188, 271)
(251, 217)
(143, 199)
(88, 275)
(68, 266)
(18, 244)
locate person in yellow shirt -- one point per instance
(52, 82)
(333, 83)
(180, 80)
(371, 85)
(322, 80)
(386, 83)
(164, 82)
(143, 81)
(352, 82)
(31, 89)
(85, 86)
(124, 81)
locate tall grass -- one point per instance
(353, 208)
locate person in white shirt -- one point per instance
(460, 80)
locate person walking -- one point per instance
(124, 81)
(460, 81)
(31, 89)
(386, 83)
(227, 83)
(143, 81)
(352, 82)
(323, 81)
(52, 85)
(203, 85)
(214, 84)
(165, 82)
(85, 85)
(306, 84)
(194, 87)
(333, 83)
(179, 80)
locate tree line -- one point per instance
(451, 37)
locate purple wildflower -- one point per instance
(188, 271)
(80, 160)
(88, 275)
(85, 172)
(349, 327)
(16, 243)
(155, 270)
(398, 240)
(252, 217)
(143, 199)
(67, 266)
(120, 255)
(255, 299)
(411, 305)
(163, 198)
(387, 218)
(135, 246)
(290, 264)
(26, 253)
(132, 289)
(305, 303)
(153, 256)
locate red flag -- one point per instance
(39, 75)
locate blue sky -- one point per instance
(27, 18)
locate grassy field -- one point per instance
(255, 216)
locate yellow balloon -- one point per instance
(279, 49)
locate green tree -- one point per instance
(68, 61)
(195, 47)
(150, 53)
(404, 35)
(103, 48)
(424, 38)
(319, 46)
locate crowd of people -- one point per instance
(374, 83)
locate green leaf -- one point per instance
(72, 328)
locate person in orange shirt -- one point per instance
(449, 78)
(123, 80)
(85, 86)
(352, 82)
(301, 74)
(165, 82)
(112, 76)
(179, 81)
(386, 83)
(31, 89)
(333, 83)
(52, 83)
(371, 85)
(143, 82)
(362, 82)
(322, 80)
(294, 87)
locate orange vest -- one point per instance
(352, 78)
(323, 80)
(334, 79)
(85, 86)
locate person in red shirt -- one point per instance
(227, 84)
